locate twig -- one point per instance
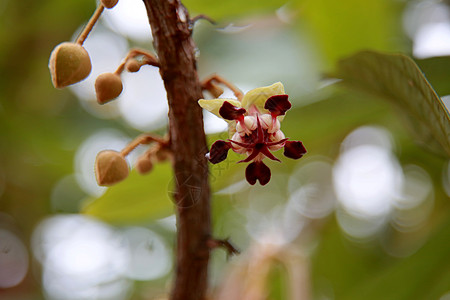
(149, 59)
(84, 34)
(219, 79)
(142, 140)
(202, 17)
(226, 244)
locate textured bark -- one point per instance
(171, 31)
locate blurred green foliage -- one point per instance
(41, 129)
(149, 201)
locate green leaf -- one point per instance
(397, 78)
(139, 198)
(436, 71)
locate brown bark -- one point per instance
(171, 30)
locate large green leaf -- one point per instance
(139, 198)
(436, 70)
(397, 78)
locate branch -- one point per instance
(169, 21)
(225, 244)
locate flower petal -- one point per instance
(214, 105)
(230, 112)
(251, 157)
(257, 171)
(259, 96)
(278, 105)
(267, 153)
(294, 149)
(218, 152)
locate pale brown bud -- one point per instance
(109, 3)
(162, 154)
(144, 164)
(108, 86)
(69, 63)
(110, 168)
(133, 65)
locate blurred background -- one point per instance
(365, 214)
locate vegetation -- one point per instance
(364, 214)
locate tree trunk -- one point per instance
(171, 30)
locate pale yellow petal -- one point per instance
(259, 96)
(214, 105)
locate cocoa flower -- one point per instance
(254, 127)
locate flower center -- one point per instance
(259, 146)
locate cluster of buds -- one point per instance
(111, 166)
(254, 128)
(108, 86)
(70, 62)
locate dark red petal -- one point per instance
(278, 105)
(268, 144)
(251, 156)
(267, 153)
(219, 151)
(245, 145)
(257, 171)
(294, 149)
(260, 132)
(230, 112)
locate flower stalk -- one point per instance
(84, 34)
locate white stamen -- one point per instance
(277, 136)
(250, 122)
(249, 125)
(267, 122)
(236, 148)
(275, 126)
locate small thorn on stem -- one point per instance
(225, 244)
(202, 17)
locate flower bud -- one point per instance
(110, 168)
(144, 164)
(69, 63)
(108, 86)
(109, 3)
(133, 65)
(162, 154)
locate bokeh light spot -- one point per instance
(13, 259)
